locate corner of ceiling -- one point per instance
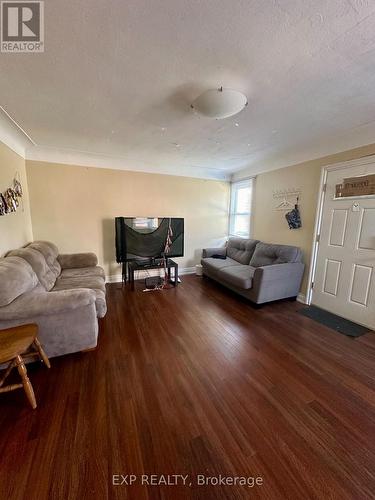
(12, 135)
(18, 140)
(94, 160)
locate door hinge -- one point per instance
(317, 238)
(312, 285)
(324, 187)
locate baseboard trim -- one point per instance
(117, 278)
(301, 297)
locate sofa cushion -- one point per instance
(38, 302)
(214, 265)
(83, 271)
(266, 254)
(93, 282)
(50, 253)
(37, 261)
(240, 249)
(78, 260)
(238, 276)
(16, 277)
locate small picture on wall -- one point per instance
(10, 198)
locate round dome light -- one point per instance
(220, 103)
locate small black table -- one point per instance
(138, 265)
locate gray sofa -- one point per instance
(63, 294)
(261, 272)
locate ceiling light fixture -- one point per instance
(220, 103)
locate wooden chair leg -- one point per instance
(42, 354)
(26, 382)
(7, 372)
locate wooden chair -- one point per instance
(16, 344)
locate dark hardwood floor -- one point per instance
(193, 381)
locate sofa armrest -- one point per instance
(209, 252)
(277, 281)
(31, 305)
(276, 272)
(77, 260)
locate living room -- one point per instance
(187, 244)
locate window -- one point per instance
(240, 208)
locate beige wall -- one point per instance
(270, 225)
(75, 207)
(15, 228)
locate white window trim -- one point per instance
(249, 181)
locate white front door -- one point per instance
(344, 281)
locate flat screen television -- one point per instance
(139, 238)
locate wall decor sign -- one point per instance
(363, 185)
(10, 198)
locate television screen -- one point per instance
(145, 237)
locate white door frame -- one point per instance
(319, 212)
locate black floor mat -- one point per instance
(337, 323)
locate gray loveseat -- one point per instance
(261, 272)
(63, 294)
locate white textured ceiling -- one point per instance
(117, 78)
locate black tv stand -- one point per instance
(144, 265)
